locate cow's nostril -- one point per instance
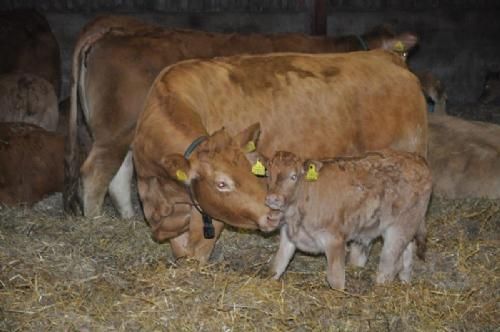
(274, 201)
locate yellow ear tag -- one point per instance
(181, 175)
(312, 173)
(258, 168)
(399, 46)
(250, 147)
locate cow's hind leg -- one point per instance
(97, 171)
(120, 188)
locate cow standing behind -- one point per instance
(115, 62)
(322, 205)
(28, 98)
(315, 104)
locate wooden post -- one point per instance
(318, 15)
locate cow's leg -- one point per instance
(202, 248)
(284, 254)
(97, 171)
(180, 246)
(395, 242)
(358, 253)
(120, 188)
(407, 258)
(335, 256)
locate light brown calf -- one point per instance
(323, 205)
(31, 163)
(28, 98)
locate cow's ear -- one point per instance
(249, 137)
(178, 168)
(311, 169)
(402, 43)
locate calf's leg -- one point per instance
(284, 254)
(405, 273)
(391, 260)
(358, 253)
(335, 256)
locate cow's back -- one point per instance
(31, 163)
(314, 105)
(464, 157)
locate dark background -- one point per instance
(459, 39)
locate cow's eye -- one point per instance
(221, 185)
(293, 177)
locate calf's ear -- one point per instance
(178, 168)
(311, 169)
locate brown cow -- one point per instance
(314, 104)
(29, 46)
(115, 62)
(323, 205)
(28, 98)
(464, 157)
(31, 163)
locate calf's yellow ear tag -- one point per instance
(312, 174)
(181, 175)
(250, 147)
(258, 168)
(399, 46)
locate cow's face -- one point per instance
(220, 177)
(284, 174)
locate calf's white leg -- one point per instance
(405, 273)
(335, 256)
(358, 253)
(390, 263)
(284, 254)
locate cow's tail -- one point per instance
(421, 240)
(71, 198)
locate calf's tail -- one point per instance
(421, 240)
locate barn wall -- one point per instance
(458, 38)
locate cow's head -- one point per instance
(219, 174)
(285, 174)
(384, 37)
(491, 89)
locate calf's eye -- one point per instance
(293, 177)
(221, 185)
